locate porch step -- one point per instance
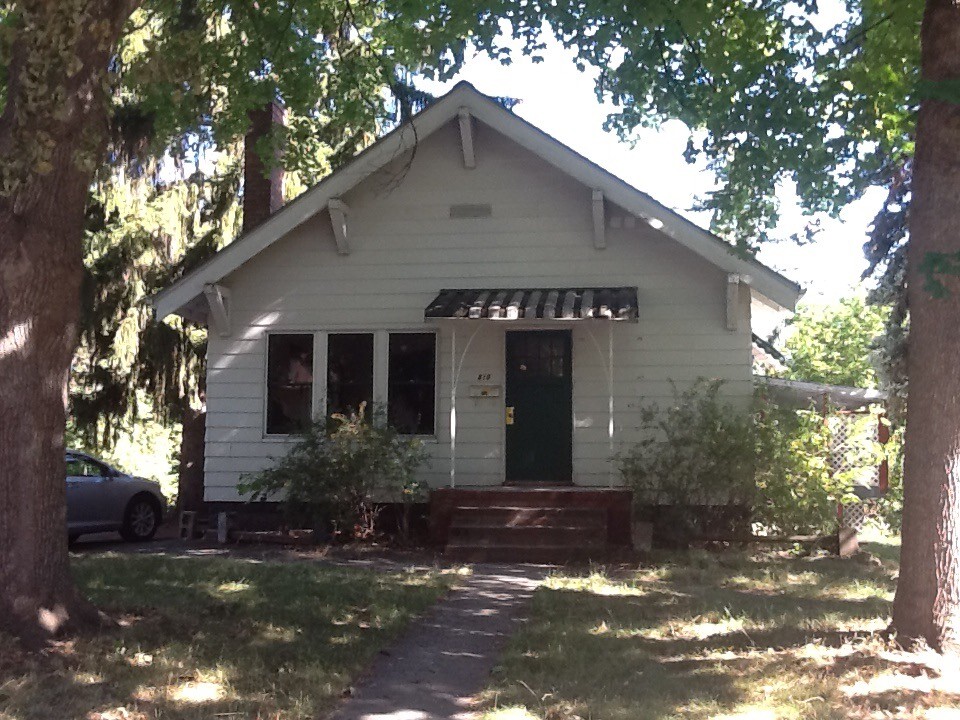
(541, 525)
(545, 535)
(589, 517)
(540, 554)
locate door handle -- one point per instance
(509, 418)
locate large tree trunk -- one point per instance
(52, 131)
(927, 604)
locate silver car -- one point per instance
(103, 499)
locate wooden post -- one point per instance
(223, 530)
(848, 543)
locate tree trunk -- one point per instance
(927, 603)
(39, 297)
(51, 129)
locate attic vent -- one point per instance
(471, 211)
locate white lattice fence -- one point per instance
(854, 437)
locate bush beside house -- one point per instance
(336, 472)
(706, 468)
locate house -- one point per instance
(499, 294)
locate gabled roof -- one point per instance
(185, 293)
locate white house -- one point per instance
(502, 296)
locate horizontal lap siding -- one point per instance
(405, 248)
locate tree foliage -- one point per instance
(820, 95)
(835, 344)
(183, 80)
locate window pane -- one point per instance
(289, 383)
(411, 396)
(349, 372)
(82, 467)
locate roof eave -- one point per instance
(171, 300)
(769, 284)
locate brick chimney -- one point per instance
(262, 184)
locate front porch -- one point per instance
(529, 386)
(531, 523)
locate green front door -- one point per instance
(539, 400)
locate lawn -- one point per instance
(215, 638)
(719, 636)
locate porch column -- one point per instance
(454, 376)
(456, 365)
(610, 398)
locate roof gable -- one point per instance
(185, 294)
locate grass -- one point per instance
(720, 636)
(215, 638)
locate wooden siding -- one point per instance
(404, 248)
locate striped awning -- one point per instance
(610, 303)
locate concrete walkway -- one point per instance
(445, 658)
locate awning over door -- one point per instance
(611, 303)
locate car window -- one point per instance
(84, 467)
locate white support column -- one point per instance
(456, 365)
(381, 362)
(319, 375)
(608, 369)
(454, 376)
(610, 424)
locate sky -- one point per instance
(559, 99)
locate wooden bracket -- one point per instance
(466, 138)
(218, 299)
(599, 221)
(733, 301)
(338, 219)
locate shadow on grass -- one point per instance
(692, 637)
(205, 637)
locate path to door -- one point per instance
(445, 658)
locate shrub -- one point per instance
(704, 454)
(796, 491)
(697, 452)
(329, 477)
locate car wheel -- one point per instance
(141, 519)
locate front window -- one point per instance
(289, 383)
(349, 372)
(411, 392)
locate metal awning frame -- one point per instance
(457, 358)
